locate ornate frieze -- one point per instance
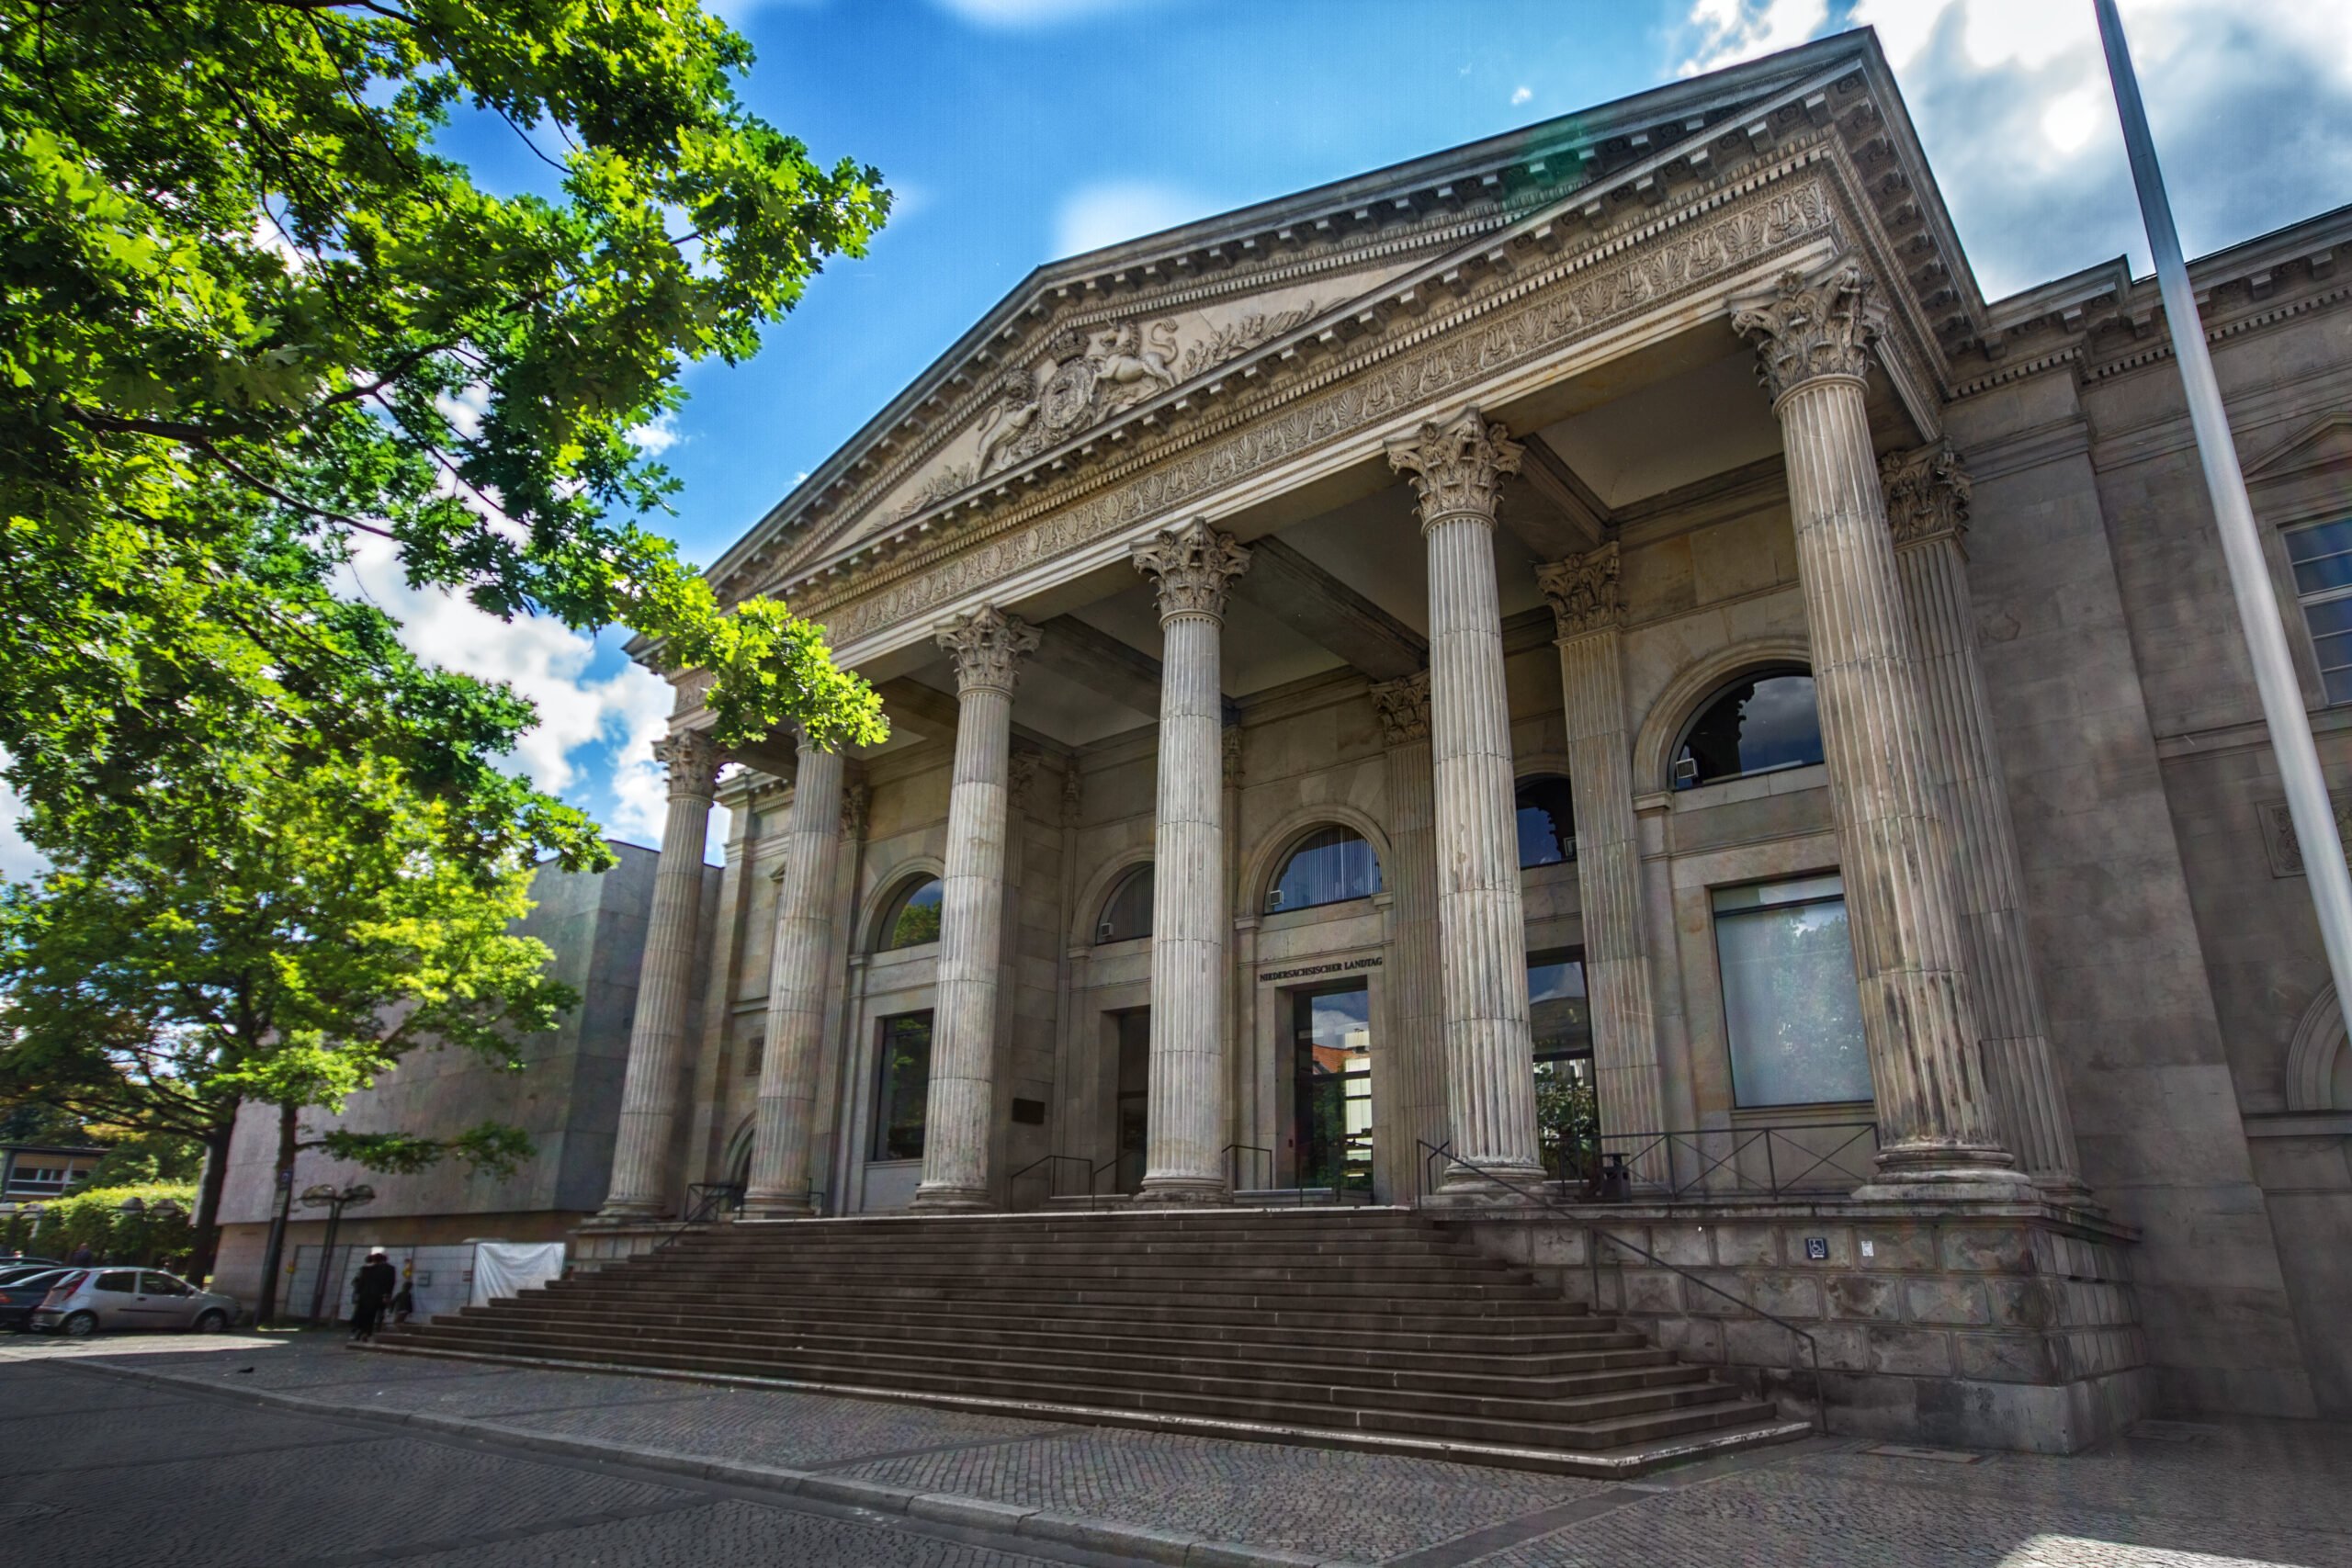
(1927, 493)
(1192, 568)
(1073, 794)
(1809, 328)
(1583, 591)
(1535, 316)
(988, 645)
(1457, 465)
(857, 802)
(1404, 708)
(693, 762)
(1233, 757)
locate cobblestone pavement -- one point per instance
(2171, 1495)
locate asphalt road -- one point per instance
(95, 1469)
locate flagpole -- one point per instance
(2258, 615)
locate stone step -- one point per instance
(1436, 1315)
(1507, 1378)
(1368, 1326)
(1580, 1347)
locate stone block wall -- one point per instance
(1984, 1326)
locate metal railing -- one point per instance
(1301, 1189)
(1594, 1235)
(1795, 1159)
(1052, 1164)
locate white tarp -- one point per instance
(505, 1267)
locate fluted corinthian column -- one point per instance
(804, 950)
(1416, 994)
(987, 646)
(1588, 611)
(1191, 566)
(657, 1033)
(1935, 1121)
(1457, 469)
(1926, 505)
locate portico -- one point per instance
(1467, 688)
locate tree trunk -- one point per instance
(280, 1192)
(207, 1218)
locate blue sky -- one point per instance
(1016, 132)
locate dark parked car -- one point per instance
(17, 1268)
(21, 1290)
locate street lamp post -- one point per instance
(326, 1196)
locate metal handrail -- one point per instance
(1592, 1257)
(1050, 1162)
(1232, 1154)
(703, 1200)
(1695, 1149)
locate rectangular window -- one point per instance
(1789, 1002)
(2322, 555)
(903, 1090)
(1567, 1117)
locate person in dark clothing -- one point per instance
(403, 1304)
(370, 1289)
(81, 1257)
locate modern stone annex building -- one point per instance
(1604, 624)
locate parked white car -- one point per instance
(86, 1300)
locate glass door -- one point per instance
(1133, 1110)
(1331, 1100)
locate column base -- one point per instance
(757, 1208)
(627, 1211)
(2068, 1190)
(1182, 1192)
(1944, 1173)
(1473, 1189)
(930, 1200)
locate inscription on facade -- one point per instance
(1272, 975)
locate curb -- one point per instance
(1177, 1550)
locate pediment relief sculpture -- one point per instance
(1089, 375)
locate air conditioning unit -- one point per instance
(1102, 932)
(1275, 899)
(1686, 771)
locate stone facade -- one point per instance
(1489, 480)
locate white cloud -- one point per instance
(2013, 105)
(1725, 32)
(657, 436)
(586, 724)
(1104, 214)
(1521, 96)
(19, 861)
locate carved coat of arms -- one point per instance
(1088, 375)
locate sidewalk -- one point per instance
(2250, 1493)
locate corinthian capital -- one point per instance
(1927, 493)
(1583, 591)
(1192, 567)
(1404, 708)
(1811, 328)
(693, 761)
(1456, 466)
(987, 647)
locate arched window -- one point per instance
(1760, 724)
(1328, 866)
(913, 916)
(1127, 914)
(1547, 822)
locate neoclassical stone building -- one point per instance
(1602, 624)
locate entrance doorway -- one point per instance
(1568, 1109)
(1132, 1118)
(1332, 1087)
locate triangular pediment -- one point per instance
(1099, 358)
(2323, 447)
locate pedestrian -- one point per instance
(370, 1289)
(405, 1304)
(81, 1257)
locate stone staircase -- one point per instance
(1365, 1328)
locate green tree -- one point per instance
(249, 311)
(289, 961)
